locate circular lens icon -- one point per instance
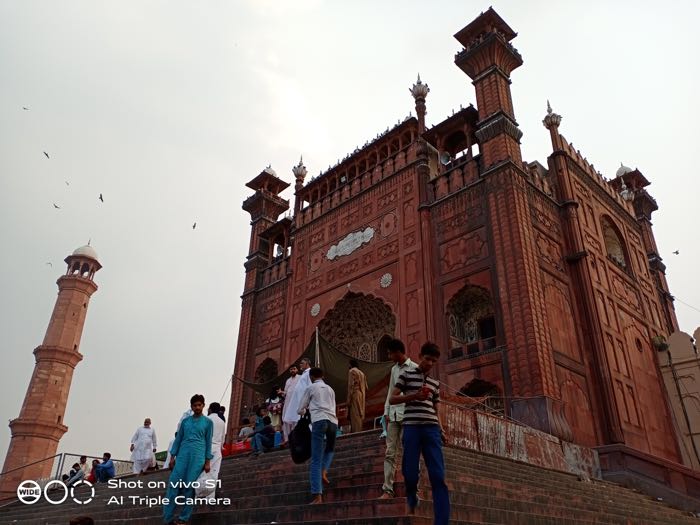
(61, 488)
(29, 492)
(92, 492)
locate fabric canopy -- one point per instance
(334, 364)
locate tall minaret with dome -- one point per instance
(39, 427)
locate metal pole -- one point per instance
(318, 351)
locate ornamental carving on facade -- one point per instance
(350, 243)
(386, 280)
(388, 225)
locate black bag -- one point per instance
(300, 440)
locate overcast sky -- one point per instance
(168, 108)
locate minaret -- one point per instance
(39, 427)
(631, 184)
(265, 206)
(488, 58)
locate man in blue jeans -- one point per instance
(423, 432)
(319, 398)
(264, 440)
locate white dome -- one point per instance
(86, 251)
(622, 170)
(270, 171)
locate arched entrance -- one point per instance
(266, 371)
(359, 325)
(480, 388)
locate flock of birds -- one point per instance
(25, 108)
(56, 206)
(101, 198)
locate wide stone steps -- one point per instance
(484, 490)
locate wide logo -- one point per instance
(55, 492)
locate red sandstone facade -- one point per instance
(543, 285)
(39, 427)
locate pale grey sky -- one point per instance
(168, 108)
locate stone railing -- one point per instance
(475, 430)
(354, 187)
(459, 173)
(275, 272)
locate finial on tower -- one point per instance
(551, 120)
(299, 173)
(419, 91)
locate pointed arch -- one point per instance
(480, 388)
(357, 323)
(266, 371)
(471, 321)
(614, 243)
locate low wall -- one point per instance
(676, 484)
(474, 430)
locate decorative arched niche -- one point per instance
(471, 322)
(614, 243)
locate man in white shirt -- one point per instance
(291, 413)
(85, 465)
(143, 446)
(217, 439)
(287, 426)
(393, 415)
(319, 399)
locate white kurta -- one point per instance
(291, 404)
(144, 442)
(167, 458)
(185, 415)
(288, 390)
(217, 441)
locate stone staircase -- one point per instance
(271, 489)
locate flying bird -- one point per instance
(25, 108)
(676, 252)
(67, 183)
(194, 225)
(56, 206)
(101, 199)
(47, 155)
(50, 264)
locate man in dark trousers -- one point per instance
(423, 432)
(319, 399)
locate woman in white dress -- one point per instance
(143, 447)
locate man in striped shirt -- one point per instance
(423, 432)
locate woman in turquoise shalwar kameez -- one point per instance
(191, 453)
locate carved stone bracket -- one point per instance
(501, 123)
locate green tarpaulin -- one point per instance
(334, 364)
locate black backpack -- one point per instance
(300, 440)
